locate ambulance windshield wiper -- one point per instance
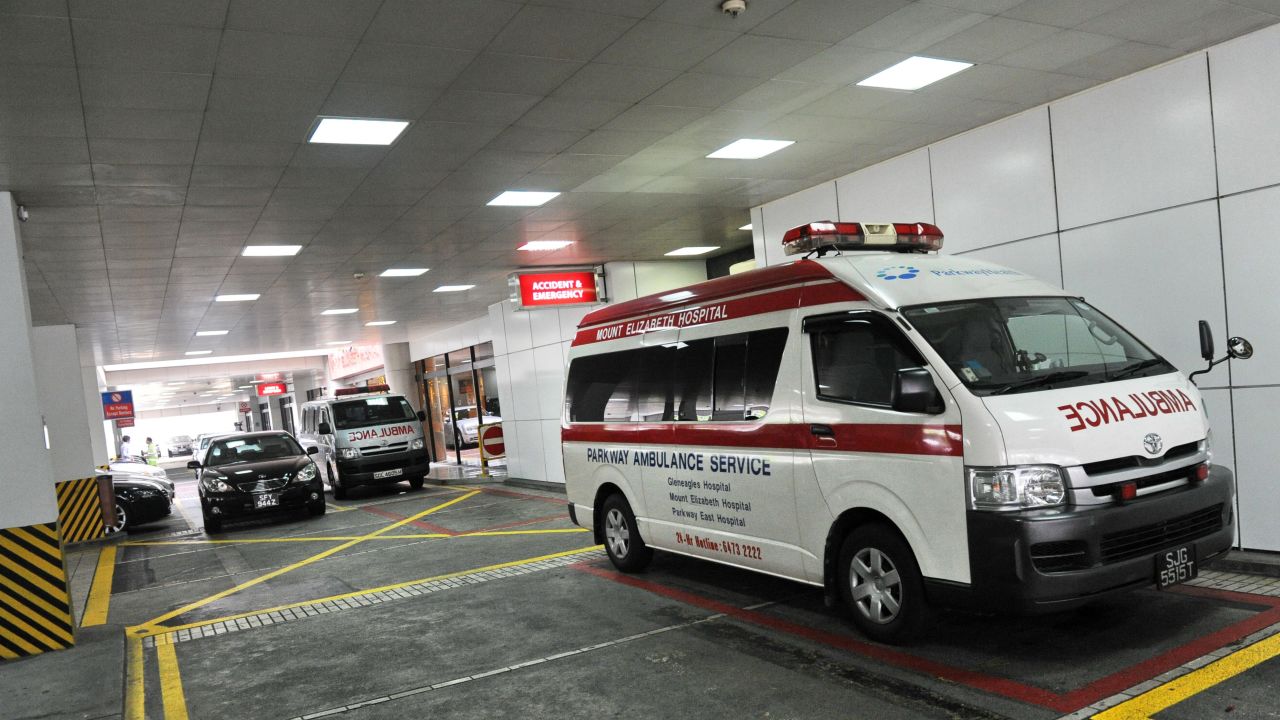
(1053, 377)
(1128, 370)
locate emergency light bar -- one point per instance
(341, 392)
(827, 235)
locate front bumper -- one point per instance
(1095, 550)
(240, 504)
(361, 471)
(149, 509)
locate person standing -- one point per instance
(126, 448)
(152, 452)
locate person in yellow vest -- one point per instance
(152, 452)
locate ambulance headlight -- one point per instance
(1016, 488)
(348, 453)
(415, 444)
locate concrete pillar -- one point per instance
(398, 368)
(273, 407)
(60, 387)
(29, 513)
(93, 413)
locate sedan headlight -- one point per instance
(348, 453)
(213, 483)
(1016, 487)
(306, 474)
(415, 444)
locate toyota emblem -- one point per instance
(1152, 443)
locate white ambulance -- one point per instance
(365, 437)
(902, 428)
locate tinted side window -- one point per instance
(601, 388)
(764, 355)
(856, 356)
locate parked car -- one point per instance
(180, 445)
(138, 467)
(248, 474)
(139, 500)
(463, 429)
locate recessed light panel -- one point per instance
(544, 245)
(246, 297)
(453, 288)
(745, 227)
(357, 131)
(211, 333)
(270, 250)
(340, 311)
(523, 198)
(749, 149)
(694, 250)
(379, 323)
(915, 73)
(338, 342)
(403, 272)
(199, 352)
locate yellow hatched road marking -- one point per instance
(171, 694)
(95, 612)
(152, 630)
(342, 538)
(1197, 681)
(301, 563)
(135, 699)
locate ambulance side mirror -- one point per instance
(422, 417)
(1206, 341)
(914, 392)
(325, 429)
(1239, 348)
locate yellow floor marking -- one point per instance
(337, 508)
(171, 694)
(1197, 681)
(135, 707)
(495, 533)
(146, 631)
(95, 612)
(301, 563)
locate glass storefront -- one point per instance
(456, 402)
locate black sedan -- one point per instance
(254, 473)
(139, 500)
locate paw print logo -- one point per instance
(898, 272)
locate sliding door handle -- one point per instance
(819, 430)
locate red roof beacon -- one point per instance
(822, 237)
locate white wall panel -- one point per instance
(656, 277)
(1257, 457)
(1157, 294)
(620, 281)
(896, 190)
(515, 458)
(544, 326)
(1251, 253)
(532, 451)
(1140, 143)
(1217, 404)
(548, 362)
(516, 325)
(499, 328)
(524, 388)
(757, 234)
(1246, 102)
(995, 184)
(1037, 257)
(779, 216)
(551, 450)
(570, 317)
(502, 368)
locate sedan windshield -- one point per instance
(1012, 345)
(371, 411)
(252, 449)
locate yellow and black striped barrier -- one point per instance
(35, 611)
(79, 510)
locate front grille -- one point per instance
(383, 450)
(1132, 461)
(1060, 556)
(1146, 539)
(1186, 473)
(261, 485)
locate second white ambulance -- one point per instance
(902, 428)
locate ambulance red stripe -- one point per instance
(898, 439)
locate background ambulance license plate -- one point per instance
(266, 500)
(388, 473)
(1176, 566)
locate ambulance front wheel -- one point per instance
(335, 482)
(881, 584)
(416, 483)
(622, 540)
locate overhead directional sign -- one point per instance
(117, 404)
(557, 286)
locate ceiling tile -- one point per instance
(161, 175)
(472, 106)
(228, 196)
(702, 90)
(407, 65)
(659, 118)
(516, 74)
(650, 43)
(162, 48)
(990, 7)
(303, 57)
(150, 90)
(141, 152)
(1057, 51)
(41, 122)
(464, 24)
(143, 124)
(261, 94)
(625, 8)
(1060, 14)
(285, 127)
(614, 83)
(616, 142)
(28, 149)
(200, 13)
(989, 40)
(354, 156)
(826, 20)
(536, 139)
(28, 40)
(377, 100)
(1182, 24)
(337, 18)
(235, 152)
(122, 195)
(45, 175)
(34, 85)
(559, 33)
(554, 112)
(235, 176)
(709, 15)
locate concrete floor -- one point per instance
(480, 600)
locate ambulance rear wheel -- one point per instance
(627, 550)
(881, 584)
(339, 491)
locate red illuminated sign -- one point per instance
(563, 287)
(268, 377)
(272, 388)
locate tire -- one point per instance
(122, 518)
(881, 584)
(335, 482)
(627, 550)
(212, 523)
(416, 483)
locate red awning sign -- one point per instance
(272, 388)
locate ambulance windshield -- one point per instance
(1011, 345)
(364, 412)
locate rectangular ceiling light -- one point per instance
(522, 198)
(211, 333)
(544, 245)
(199, 352)
(357, 131)
(453, 288)
(246, 297)
(402, 272)
(748, 149)
(694, 250)
(338, 342)
(915, 73)
(270, 250)
(745, 227)
(379, 323)
(340, 311)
